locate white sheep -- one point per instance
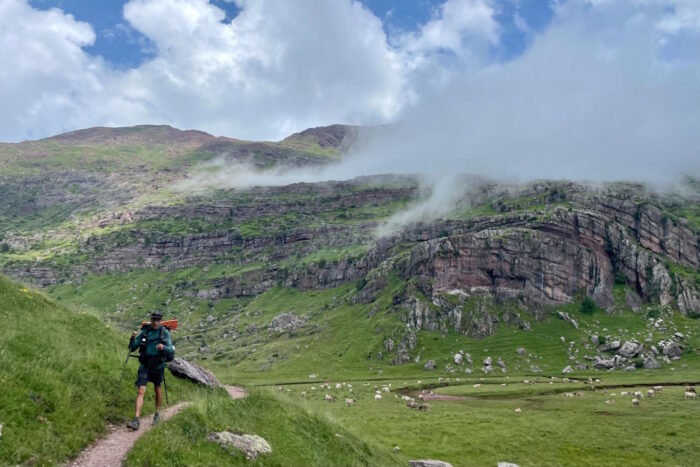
(518, 410)
(658, 388)
(377, 397)
(570, 395)
(313, 388)
(638, 395)
(338, 386)
(624, 393)
(635, 402)
(690, 395)
(477, 385)
(385, 389)
(609, 402)
(303, 393)
(330, 398)
(421, 397)
(349, 402)
(650, 393)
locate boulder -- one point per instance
(603, 363)
(428, 463)
(567, 370)
(458, 359)
(251, 445)
(672, 350)
(610, 345)
(500, 363)
(650, 363)
(429, 365)
(595, 340)
(629, 349)
(488, 361)
(567, 317)
(183, 369)
(521, 351)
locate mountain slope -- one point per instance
(59, 374)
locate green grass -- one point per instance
(297, 436)
(60, 377)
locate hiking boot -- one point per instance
(156, 419)
(134, 424)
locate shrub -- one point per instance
(620, 278)
(587, 306)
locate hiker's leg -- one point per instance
(159, 396)
(139, 400)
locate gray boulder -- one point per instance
(650, 363)
(251, 445)
(595, 340)
(567, 370)
(488, 361)
(428, 463)
(458, 358)
(629, 349)
(429, 365)
(672, 350)
(567, 317)
(610, 345)
(287, 322)
(521, 350)
(181, 368)
(603, 363)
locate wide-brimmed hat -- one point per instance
(156, 315)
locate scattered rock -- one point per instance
(672, 350)
(678, 335)
(286, 322)
(650, 363)
(389, 345)
(251, 445)
(567, 370)
(567, 317)
(535, 369)
(500, 363)
(428, 463)
(488, 361)
(595, 340)
(610, 345)
(629, 349)
(521, 351)
(429, 365)
(603, 363)
(184, 369)
(458, 358)
(633, 300)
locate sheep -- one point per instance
(411, 404)
(638, 395)
(329, 398)
(650, 393)
(518, 410)
(303, 393)
(635, 402)
(313, 388)
(526, 382)
(578, 394)
(658, 388)
(349, 402)
(377, 397)
(690, 395)
(477, 385)
(609, 402)
(338, 385)
(425, 407)
(624, 393)
(406, 398)
(570, 395)
(385, 389)
(689, 389)
(421, 397)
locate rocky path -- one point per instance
(111, 450)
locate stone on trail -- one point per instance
(428, 463)
(186, 370)
(251, 445)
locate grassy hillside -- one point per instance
(297, 436)
(59, 374)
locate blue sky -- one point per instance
(123, 47)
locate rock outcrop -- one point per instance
(187, 370)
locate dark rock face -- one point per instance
(186, 370)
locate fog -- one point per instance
(596, 97)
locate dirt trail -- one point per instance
(111, 450)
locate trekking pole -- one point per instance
(165, 386)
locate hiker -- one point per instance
(154, 344)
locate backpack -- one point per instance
(167, 356)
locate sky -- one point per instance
(594, 89)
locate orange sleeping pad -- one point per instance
(170, 324)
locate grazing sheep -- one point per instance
(624, 393)
(421, 397)
(609, 402)
(377, 397)
(578, 394)
(638, 395)
(303, 393)
(658, 388)
(406, 398)
(411, 404)
(338, 385)
(477, 385)
(313, 388)
(425, 407)
(526, 382)
(690, 389)
(635, 402)
(349, 402)
(690, 395)
(518, 410)
(570, 395)
(650, 393)
(330, 398)
(385, 389)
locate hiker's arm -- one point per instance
(168, 348)
(134, 342)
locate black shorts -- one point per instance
(147, 375)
